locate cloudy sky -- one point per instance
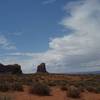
(65, 34)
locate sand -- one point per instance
(56, 94)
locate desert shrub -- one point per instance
(90, 83)
(57, 83)
(5, 97)
(17, 86)
(81, 88)
(4, 87)
(40, 89)
(93, 89)
(28, 82)
(79, 83)
(51, 83)
(62, 82)
(64, 88)
(90, 89)
(97, 90)
(73, 92)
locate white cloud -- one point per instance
(48, 2)
(82, 46)
(78, 51)
(27, 65)
(5, 44)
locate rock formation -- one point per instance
(11, 69)
(41, 68)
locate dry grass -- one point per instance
(4, 86)
(64, 88)
(90, 83)
(17, 87)
(5, 97)
(40, 89)
(73, 92)
(7, 86)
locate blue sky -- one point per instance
(35, 20)
(62, 33)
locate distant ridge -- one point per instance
(10, 69)
(90, 72)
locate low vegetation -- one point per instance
(41, 83)
(73, 92)
(64, 88)
(40, 89)
(93, 89)
(17, 87)
(6, 86)
(5, 97)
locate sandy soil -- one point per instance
(90, 96)
(57, 94)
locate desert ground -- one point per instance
(88, 86)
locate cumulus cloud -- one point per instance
(78, 51)
(27, 65)
(82, 46)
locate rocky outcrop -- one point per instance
(41, 68)
(11, 69)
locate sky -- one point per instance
(64, 34)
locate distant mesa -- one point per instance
(41, 68)
(16, 69)
(10, 69)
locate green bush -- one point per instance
(40, 89)
(81, 88)
(73, 92)
(51, 83)
(17, 87)
(5, 97)
(90, 89)
(93, 89)
(64, 88)
(4, 87)
(97, 90)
